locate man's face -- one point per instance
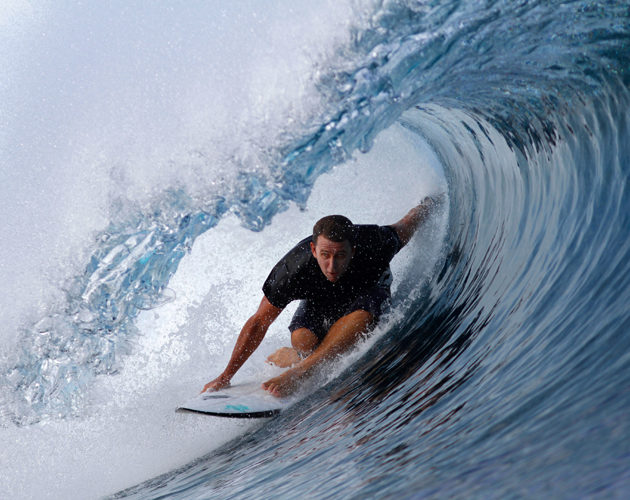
(333, 257)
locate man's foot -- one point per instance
(285, 384)
(284, 357)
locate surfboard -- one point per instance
(247, 400)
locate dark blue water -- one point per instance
(509, 375)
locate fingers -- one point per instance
(272, 389)
(215, 385)
(436, 199)
(208, 388)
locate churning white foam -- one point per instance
(129, 431)
(114, 101)
(118, 101)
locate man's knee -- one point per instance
(359, 321)
(363, 316)
(304, 341)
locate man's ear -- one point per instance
(313, 249)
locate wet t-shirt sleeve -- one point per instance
(285, 279)
(390, 242)
(275, 287)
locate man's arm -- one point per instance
(248, 341)
(406, 227)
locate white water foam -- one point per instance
(118, 101)
(106, 102)
(129, 431)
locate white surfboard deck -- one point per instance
(246, 400)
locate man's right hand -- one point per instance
(217, 384)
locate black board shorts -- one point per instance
(318, 318)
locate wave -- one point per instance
(509, 370)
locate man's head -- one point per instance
(333, 245)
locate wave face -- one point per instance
(507, 371)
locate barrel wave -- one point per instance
(504, 368)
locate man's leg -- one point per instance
(343, 335)
(307, 328)
(304, 341)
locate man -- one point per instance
(341, 275)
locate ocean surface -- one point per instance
(157, 159)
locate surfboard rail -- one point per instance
(236, 414)
(247, 400)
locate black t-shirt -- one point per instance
(298, 276)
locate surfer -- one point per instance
(341, 276)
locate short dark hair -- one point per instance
(337, 228)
